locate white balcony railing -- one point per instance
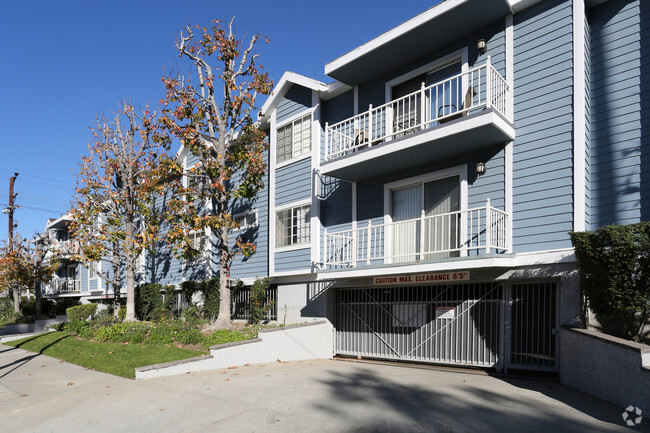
(63, 285)
(67, 247)
(481, 230)
(479, 88)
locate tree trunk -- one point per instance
(37, 296)
(224, 318)
(116, 282)
(130, 294)
(16, 300)
(130, 274)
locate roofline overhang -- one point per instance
(54, 222)
(326, 91)
(401, 30)
(336, 68)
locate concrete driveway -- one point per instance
(43, 394)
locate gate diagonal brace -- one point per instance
(451, 321)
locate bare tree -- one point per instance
(113, 213)
(214, 120)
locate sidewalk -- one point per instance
(42, 394)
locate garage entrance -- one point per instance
(451, 324)
(466, 324)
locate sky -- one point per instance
(65, 62)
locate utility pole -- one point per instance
(10, 210)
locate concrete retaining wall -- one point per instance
(290, 343)
(607, 367)
(37, 326)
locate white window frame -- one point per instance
(460, 56)
(306, 154)
(459, 170)
(244, 215)
(203, 254)
(94, 269)
(296, 246)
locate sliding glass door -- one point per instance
(425, 221)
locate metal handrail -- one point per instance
(482, 230)
(479, 87)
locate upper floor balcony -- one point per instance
(67, 248)
(63, 286)
(471, 232)
(460, 114)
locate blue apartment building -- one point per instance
(421, 201)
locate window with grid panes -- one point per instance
(197, 242)
(292, 226)
(293, 139)
(245, 220)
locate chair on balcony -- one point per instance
(360, 139)
(469, 96)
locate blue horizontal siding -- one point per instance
(618, 159)
(257, 264)
(542, 151)
(293, 260)
(297, 99)
(293, 182)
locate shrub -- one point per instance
(75, 326)
(62, 304)
(6, 308)
(192, 317)
(162, 334)
(122, 332)
(148, 299)
(209, 290)
(614, 265)
(154, 302)
(222, 336)
(102, 334)
(81, 312)
(188, 336)
(259, 305)
(211, 298)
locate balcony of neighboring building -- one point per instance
(465, 234)
(66, 248)
(461, 114)
(63, 286)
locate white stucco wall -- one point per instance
(607, 367)
(292, 343)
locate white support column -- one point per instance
(422, 215)
(423, 118)
(509, 149)
(488, 228)
(579, 129)
(316, 226)
(369, 243)
(272, 156)
(510, 66)
(353, 186)
(488, 83)
(369, 125)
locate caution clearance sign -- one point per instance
(421, 278)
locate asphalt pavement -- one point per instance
(43, 394)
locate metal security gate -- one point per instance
(533, 325)
(451, 324)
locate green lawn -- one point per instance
(115, 358)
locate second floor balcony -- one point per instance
(460, 114)
(63, 286)
(472, 232)
(68, 247)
